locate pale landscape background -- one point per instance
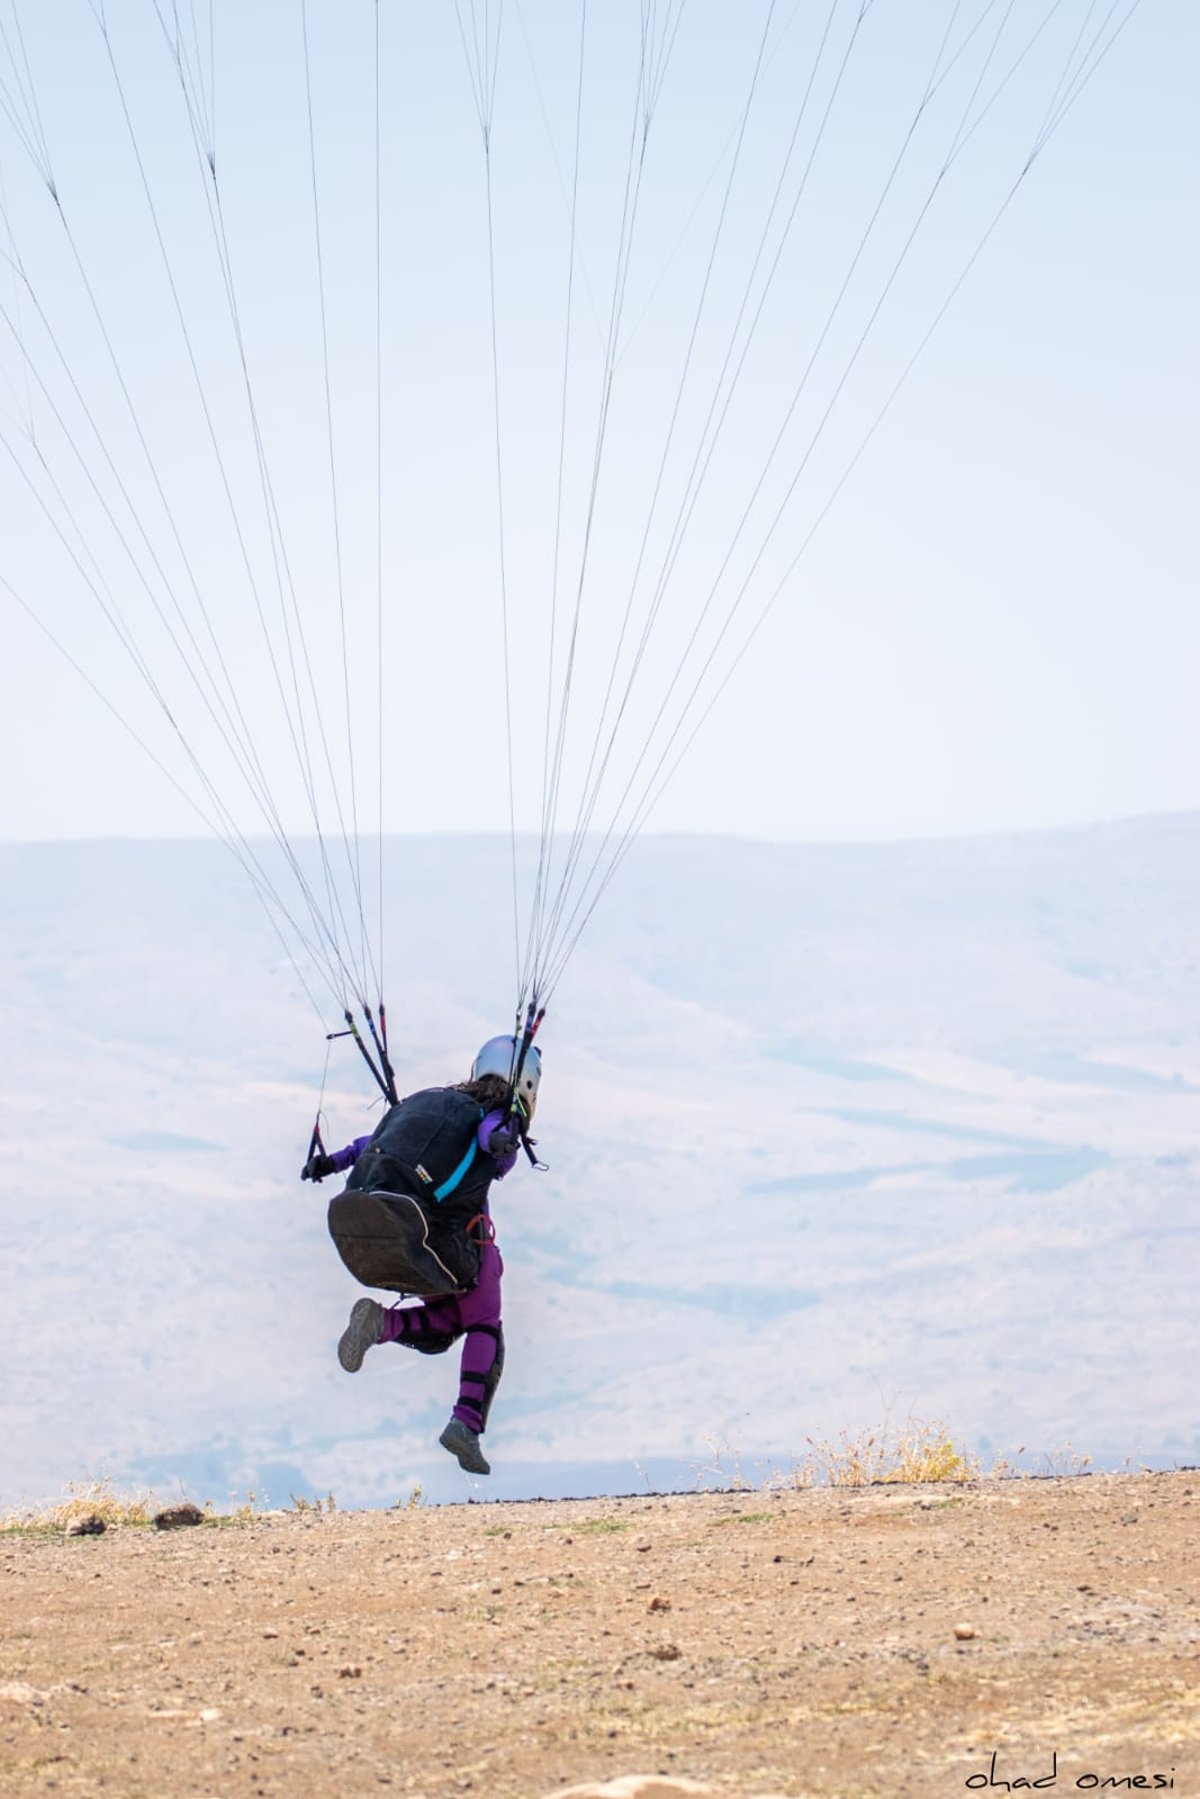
(834, 1134)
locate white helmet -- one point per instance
(499, 1056)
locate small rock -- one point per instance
(350, 1671)
(20, 1693)
(178, 1517)
(268, 1634)
(91, 1526)
(666, 1652)
(964, 1632)
(659, 1605)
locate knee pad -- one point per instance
(486, 1384)
(420, 1335)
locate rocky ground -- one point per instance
(872, 1641)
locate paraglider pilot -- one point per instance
(414, 1219)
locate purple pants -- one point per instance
(475, 1316)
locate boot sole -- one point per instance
(361, 1334)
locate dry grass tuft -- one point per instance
(99, 1498)
(301, 1503)
(83, 1499)
(913, 1454)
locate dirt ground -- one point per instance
(873, 1641)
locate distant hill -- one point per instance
(832, 1132)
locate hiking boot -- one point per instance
(463, 1442)
(361, 1334)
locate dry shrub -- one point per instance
(99, 1498)
(914, 1453)
(302, 1503)
(83, 1499)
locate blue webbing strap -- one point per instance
(453, 1180)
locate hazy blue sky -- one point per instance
(996, 624)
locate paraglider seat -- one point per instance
(388, 1240)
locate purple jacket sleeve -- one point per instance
(506, 1162)
(343, 1159)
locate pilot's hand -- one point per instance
(317, 1167)
(503, 1141)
